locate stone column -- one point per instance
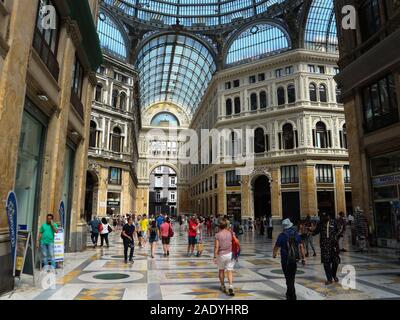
(308, 194)
(221, 194)
(276, 198)
(245, 197)
(102, 194)
(12, 97)
(340, 195)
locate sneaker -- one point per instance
(231, 292)
(131, 261)
(223, 288)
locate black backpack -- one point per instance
(293, 252)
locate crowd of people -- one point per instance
(295, 243)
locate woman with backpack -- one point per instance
(153, 235)
(104, 229)
(166, 234)
(225, 255)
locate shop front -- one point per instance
(29, 166)
(385, 171)
(113, 203)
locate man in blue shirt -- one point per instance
(160, 220)
(94, 233)
(289, 262)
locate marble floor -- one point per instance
(100, 274)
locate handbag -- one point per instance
(171, 232)
(109, 229)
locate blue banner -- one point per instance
(61, 212)
(12, 209)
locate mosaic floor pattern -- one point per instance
(101, 274)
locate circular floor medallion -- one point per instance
(110, 277)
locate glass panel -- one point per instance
(28, 167)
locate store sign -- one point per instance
(386, 180)
(12, 209)
(113, 203)
(59, 245)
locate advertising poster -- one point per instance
(11, 209)
(59, 245)
(22, 248)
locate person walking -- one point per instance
(94, 233)
(154, 235)
(223, 256)
(361, 230)
(330, 258)
(144, 226)
(270, 227)
(160, 220)
(105, 229)
(309, 238)
(199, 236)
(166, 232)
(192, 233)
(341, 223)
(46, 241)
(216, 224)
(127, 233)
(291, 250)
(138, 230)
(209, 226)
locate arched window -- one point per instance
(237, 105)
(343, 137)
(111, 38)
(259, 140)
(92, 135)
(115, 98)
(281, 96)
(257, 41)
(122, 101)
(263, 100)
(288, 136)
(339, 98)
(291, 90)
(99, 89)
(253, 101)
(313, 92)
(228, 107)
(322, 93)
(322, 137)
(116, 140)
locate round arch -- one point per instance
(118, 24)
(247, 26)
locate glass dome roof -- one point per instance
(193, 13)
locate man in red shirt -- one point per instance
(192, 235)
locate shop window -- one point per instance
(386, 164)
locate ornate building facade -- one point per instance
(284, 112)
(113, 150)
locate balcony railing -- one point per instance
(46, 54)
(77, 103)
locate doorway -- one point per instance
(91, 196)
(262, 197)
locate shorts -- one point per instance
(144, 235)
(151, 239)
(226, 262)
(192, 240)
(139, 234)
(165, 240)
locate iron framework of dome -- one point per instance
(178, 45)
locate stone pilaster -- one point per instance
(308, 194)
